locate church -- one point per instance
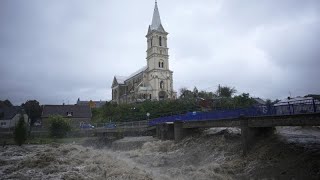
(153, 81)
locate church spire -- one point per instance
(156, 21)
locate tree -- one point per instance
(206, 95)
(195, 92)
(58, 126)
(33, 110)
(5, 103)
(186, 93)
(20, 131)
(225, 91)
(243, 100)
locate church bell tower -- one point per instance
(159, 75)
(157, 50)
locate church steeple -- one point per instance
(156, 21)
(157, 49)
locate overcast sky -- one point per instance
(55, 51)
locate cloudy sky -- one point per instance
(55, 51)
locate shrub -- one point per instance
(20, 131)
(58, 126)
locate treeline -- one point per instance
(189, 100)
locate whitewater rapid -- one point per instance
(293, 153)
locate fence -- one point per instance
(113, 125)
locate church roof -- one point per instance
(120, 79)
(156, 21)
(137, 72)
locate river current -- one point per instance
(292, 153)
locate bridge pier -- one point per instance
(179, 131)
(165, 131)
(250, 135)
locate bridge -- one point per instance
(255, 122)
(252, 128)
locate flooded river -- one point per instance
(293, 153)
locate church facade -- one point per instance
(153, 81)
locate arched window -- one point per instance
(151, 41)
(160, 43)
(159, 64)
(162, 64)
(161, 85)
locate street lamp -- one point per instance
(148, 114)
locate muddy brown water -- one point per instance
(293, 153)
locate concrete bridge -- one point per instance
(252, 128)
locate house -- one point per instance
(76, 114)
(154, 81)
(9, 116)
(259, 102)
(92, 104)
(297, 105)
(261, 105)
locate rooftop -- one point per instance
(77, 111)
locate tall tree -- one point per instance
(33, 110)
(226, 91)
(20, 131)
(195, 92)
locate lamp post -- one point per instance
(148, 114)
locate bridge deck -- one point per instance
(312, 119)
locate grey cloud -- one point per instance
(61, 50)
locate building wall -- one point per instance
(10, 123)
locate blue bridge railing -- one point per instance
(293, 107)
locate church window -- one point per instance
(159, 64)
(151, 41)
(161, 85)
(160, 43)
(162, 64)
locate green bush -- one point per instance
(58, 126)
(20, 131)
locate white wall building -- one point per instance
(153, 81)
(297, 105)
(10, 116)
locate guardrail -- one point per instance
(292, 107)
(113, 125)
